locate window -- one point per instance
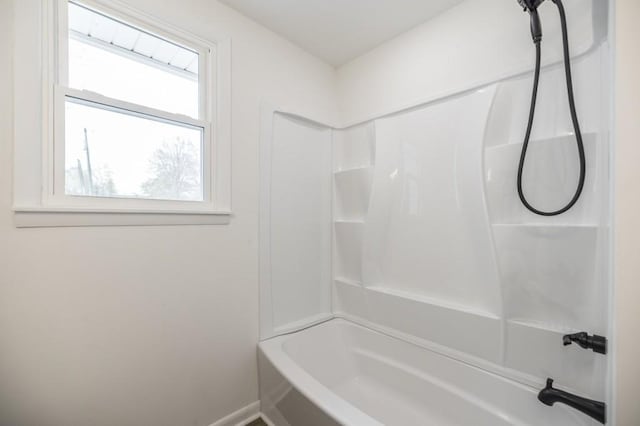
(135, 117)
(113, 152)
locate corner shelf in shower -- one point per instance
(352, 169)
(348, 223)
(353, 165)
(347, 281)
(355, 173)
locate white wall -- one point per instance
(146, 325)
(627, 212)
(474, 43)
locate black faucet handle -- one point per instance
(579, 338)
(596, 343)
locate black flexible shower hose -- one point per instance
(574, 119)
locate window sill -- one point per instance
(48, 217)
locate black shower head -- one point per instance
(531, 6)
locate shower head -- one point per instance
(531, 6)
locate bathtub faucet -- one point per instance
(549, 396)
(595, 343)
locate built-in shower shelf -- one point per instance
(545, 225)
(540, 325)
(429, 300)
(349, 221)
(353, 169)
(348, 281)
(587, 138)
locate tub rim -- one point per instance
(320, 395)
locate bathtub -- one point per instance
(341, 373)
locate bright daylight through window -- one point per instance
(134, 116)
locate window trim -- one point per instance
(214, 119)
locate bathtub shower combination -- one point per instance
(403, 280)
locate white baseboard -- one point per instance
(240, 417)
(267, 420)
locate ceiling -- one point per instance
(339, 30)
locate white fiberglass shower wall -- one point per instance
(444, 250)
(410, 223)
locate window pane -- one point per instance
(110, 153)
(114, 59)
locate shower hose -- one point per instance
(574, 119)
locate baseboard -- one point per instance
(267, 420)
(240, 417)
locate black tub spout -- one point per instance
(549, 396)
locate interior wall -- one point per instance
(474, 43)
(146, 325)
(627, 212)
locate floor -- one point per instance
(257, 422)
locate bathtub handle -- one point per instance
(596, 343)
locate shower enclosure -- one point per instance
(402, 241)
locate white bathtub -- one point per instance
(339, 372)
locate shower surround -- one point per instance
(403, 243)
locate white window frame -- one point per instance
(214, 119)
